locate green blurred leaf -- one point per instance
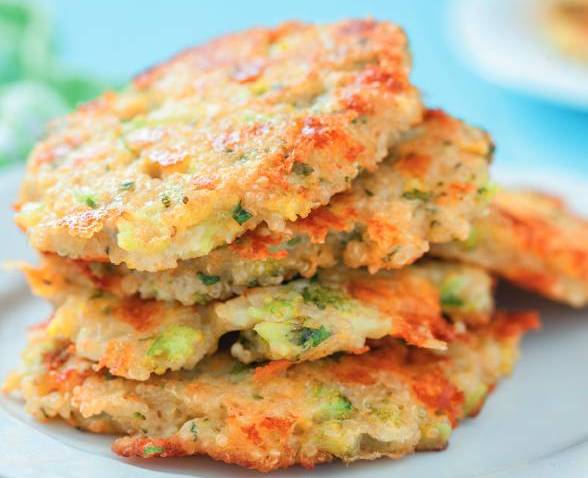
(26, 47)
(13, 21)
(76, 89)
(34, 88)
(37, 49)
(25, 108)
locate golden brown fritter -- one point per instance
(338, 310)
(434, 183)
(566, 23)
(533, 240)
(431, 186)
(259, 126)
(389, 402)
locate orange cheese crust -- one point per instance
(258, 126)
(391, 401)
(533, 240)
(429, 190)
(339, 310)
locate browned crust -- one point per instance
(370, 64)
(532, 239)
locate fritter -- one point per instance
(389, 402)
(566, 23)
(336, 311)
(433, 183)
(259, 126)
(533, 240)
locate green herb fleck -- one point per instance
(341, 407)
(90, 201)
(241, 215)
(139, 415)
(491, 151)
(239, 367)
(322, 296)
(127, 186)
(307, 337)
(194, 431)
(415, 194)
(294, 241)
(152, 450)
(487, 192)
(166, 200)
(302, 169)
(208, 279)
(334, 405)
(449, 300)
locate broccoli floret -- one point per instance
(322, 296)
(450, 292)
(307, 337)
(175, 343)
(333, 405)
(241, 215)
(152, 450)
(208, 279)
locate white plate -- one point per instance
(534, 425)
(503, 41)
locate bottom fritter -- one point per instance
(390, 401)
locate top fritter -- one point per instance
(258, 126)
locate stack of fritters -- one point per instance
(233, 245)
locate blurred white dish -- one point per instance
(503, 41)
(534, 425)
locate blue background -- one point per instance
(115, 39)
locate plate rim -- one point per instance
(537, 86)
